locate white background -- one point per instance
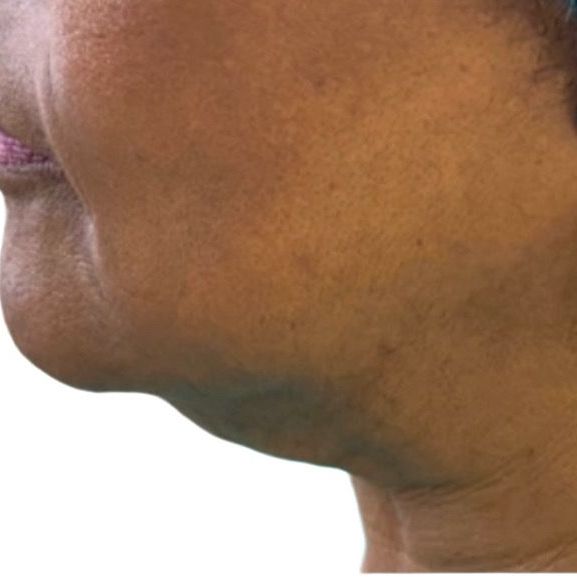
(122, 485)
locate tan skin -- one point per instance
(340, 232)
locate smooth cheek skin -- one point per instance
(274, 212)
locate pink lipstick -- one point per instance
(15, 153)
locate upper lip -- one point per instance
(24, 43)
(23, 56)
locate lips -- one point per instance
(24, 170)
(15, 153)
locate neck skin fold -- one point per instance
(522, 519)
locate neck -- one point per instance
(523, 518)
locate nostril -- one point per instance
(15, 153)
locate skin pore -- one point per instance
(341, 232)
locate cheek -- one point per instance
(149, 91)
(138, 108)
(113, 83)
(198, 144)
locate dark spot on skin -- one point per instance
(419, 242)
(318, 82)
(306, 264)
(544, 73)
(391, 401)
(385, 349)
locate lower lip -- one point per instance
(17, 159)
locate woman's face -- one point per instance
(296, 221)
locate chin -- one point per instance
(60, 354)
(61, 330)
(51, 299)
